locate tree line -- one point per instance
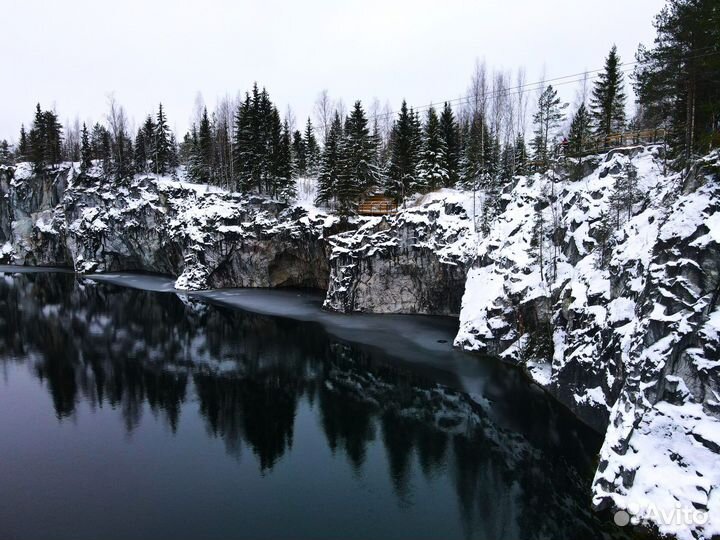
(479, 143)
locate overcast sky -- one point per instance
(70, 54)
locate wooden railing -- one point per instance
(626, 137)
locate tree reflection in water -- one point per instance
(520, 466)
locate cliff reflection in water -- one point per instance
(518, 465)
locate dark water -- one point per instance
(127, 414)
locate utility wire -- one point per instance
(532, 86)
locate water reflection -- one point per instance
(519, 466)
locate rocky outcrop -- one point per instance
(611, 305)
(207, 237)
(415, 262)
(30, 215)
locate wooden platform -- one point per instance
(377, 205)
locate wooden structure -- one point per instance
(377, 205)
(624, 138)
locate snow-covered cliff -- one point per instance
(631, 345)
(620, 321)
(205, 236)
(415, 262)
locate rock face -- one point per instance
(30, 216)
(620, 323)
(207, 237)
(415, 262)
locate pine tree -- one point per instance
(312, 151)
(281, 160)
(521, 163)
(53, 139)
(104, 148)
(23, 145)
(677, 80)
(478, 146)
(5, 153)
(255, 126)
(624, 197)
(173, 160)
(96, 142)
(190, 155)
(242, 144)
(37, 139)
(548, 117)
(162, 148)
(433, 166)
(263, 133)
(140, 158)
(204, 149)
(507, 162)
(603, 234)
(608, 97)
(451, 137)
(330, 163)
(580, 131)
(358, 173)
(299, 153)
(85, 150)
(403, 153)
(537, 241)
(123, 156)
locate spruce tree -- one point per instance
(85, 150)
(478, 146)
(521, 162)
(37, 139)
(23, 145)
(204, 148)
(603, 234)
(53, 138)
(451, 137)
(312, 151)
(358, 174)
(162, 148)
(173, 159)
(403, 153)
(281, 162)
(5, 153)
(103, 147)
(624, 197)
(255, 126)
(330, 163)
(140, 156)
(580, 131)
(608, 97)
(299, 153)
(433, 166)
(507, 162)
(243, 152)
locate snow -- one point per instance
(595, 312)
(592, 396)
(689, 214)
(621, 309)
(675, 471)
